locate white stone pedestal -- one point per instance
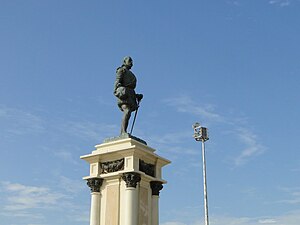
(125, 180)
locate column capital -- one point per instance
(156, 186)
(131, 179)
(95, 184)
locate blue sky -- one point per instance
(232, 65)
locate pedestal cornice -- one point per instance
(123, 148)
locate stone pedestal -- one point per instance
(125, 179)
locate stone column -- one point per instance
(95, 184)
(131, 197)
(156, 186)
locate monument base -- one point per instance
(125, 180)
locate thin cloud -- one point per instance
(88, 130)
(267, 221)
(19, 122)
(234, 125)
(81, 217)
(281, 3)
(185, 104)
(71, 185)
(174, 137)
(22, 214)
(31, 203)
(21, 197)
(173, 144)
(291, 218)
(253, 147)
(233, 221)
(294, 194)
(36, 224)
(233, 2)
(66, 156)
(173, 223)
(176, 151)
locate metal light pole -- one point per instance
(200, 134)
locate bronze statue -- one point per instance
(128, 100)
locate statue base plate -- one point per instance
(124, 136)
